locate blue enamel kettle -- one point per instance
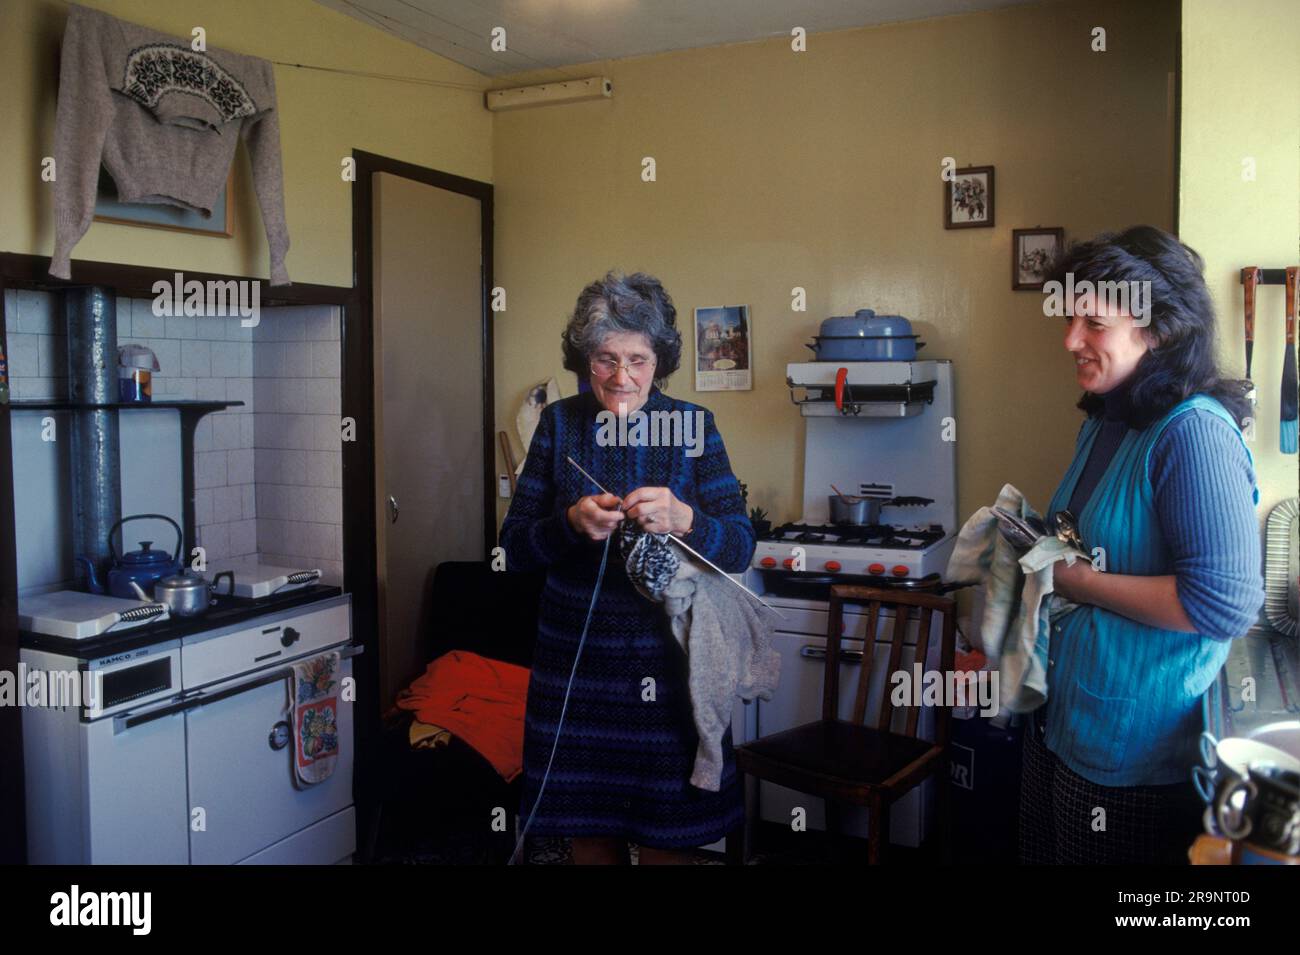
(133, 574)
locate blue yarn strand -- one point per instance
(559, 726)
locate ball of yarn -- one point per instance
(649, 558)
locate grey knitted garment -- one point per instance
(165, 121)
(727, 637)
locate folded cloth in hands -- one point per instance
(1019, 602)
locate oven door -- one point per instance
(243, 796)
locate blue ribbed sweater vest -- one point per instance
(1124, 698)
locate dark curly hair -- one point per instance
(619, 303)
(1180, 361)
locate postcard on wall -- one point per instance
(723, 349)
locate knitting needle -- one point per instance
(682, 544)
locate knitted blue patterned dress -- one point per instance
(624, 761)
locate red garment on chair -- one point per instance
(477, 699)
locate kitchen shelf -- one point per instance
(190, 411)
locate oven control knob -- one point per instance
(900, 571)
(788, 563)
(768, 561)
(289, 637)
(832, 565)
(876, 570)
(279, 736)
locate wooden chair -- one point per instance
(848, 762)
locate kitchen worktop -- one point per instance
(228, 611)
(1273, 660)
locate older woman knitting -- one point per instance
(624, 759)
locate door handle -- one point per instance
(392, 509)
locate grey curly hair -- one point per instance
(619, 303)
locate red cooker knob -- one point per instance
(832, 565)
(768, 561)
(900, 571)
(788, 563)
(876, 569)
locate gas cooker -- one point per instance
(880, 551)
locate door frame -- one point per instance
(360, 531)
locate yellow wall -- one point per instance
(323, 117)
(1241, 98)
(822, 170)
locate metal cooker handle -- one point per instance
(819, 653)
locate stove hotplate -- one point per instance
(859, 535)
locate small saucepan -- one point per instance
(190, 595)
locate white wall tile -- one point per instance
(268, 359)
(292, 395)
(11, 310)
(215, 539)
(327, 433)
(203, 505)
(181, 388)
(240, 469)
(326, 361)
(227, 503)
(203, 434)
(245, 359)
(298, 360)
(123, 319)
(210, 389)
(248, 502)
(196, 359)
(237, 331)
(323, 324)
(293, 467)
(212, 328)
(168, 353)
(241, 389)
(179, 326)
(265, 395)
(267, 466)
(247, 432)
(24, 355)
(210, 469)
(322, 396)
(225, 359)
(36, 313)
(144, 323)
(299, 431)
(243, 537)
(225, 432)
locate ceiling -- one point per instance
(544, 34)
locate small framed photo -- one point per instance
(968, 198)
(1032, 254)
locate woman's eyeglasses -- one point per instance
(606, 367)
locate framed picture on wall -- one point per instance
(968, 198)
(723, 349)
(1032, 254)
(157, 215)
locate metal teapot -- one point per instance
(132, 575)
